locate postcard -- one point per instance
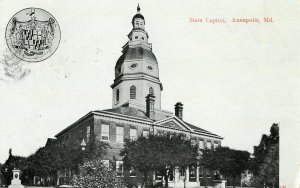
(224, 74)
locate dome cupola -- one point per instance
(136, 71)
(138, 20)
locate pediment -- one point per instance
(174, 123)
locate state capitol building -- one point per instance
(136, 110)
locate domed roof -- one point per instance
(136, 53)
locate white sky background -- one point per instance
(234, 79)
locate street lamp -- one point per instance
(83, 145)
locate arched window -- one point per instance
(118, 95)
(151, 91)
(132, 92)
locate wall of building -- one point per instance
(113, 124)
(75, 135)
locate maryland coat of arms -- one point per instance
(33, 34)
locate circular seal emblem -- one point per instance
(32, 34)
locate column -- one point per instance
(177, 175)
(197, 174)
(187, 172)
(153, 178)
(57, 181)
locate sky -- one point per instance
(234, 79)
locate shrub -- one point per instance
(95, 174)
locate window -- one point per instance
(136, 37)
(201, 144)
(161, 133)
(151, 91)
(81, 134)
(132, 92)
(146, 134)
(88, 133)
(120, 134)
(133, 134)
(105, 132)
(158, 133)
(143, 38)
(208, 145)
(119, 168)
(150, 68)
(207, 173)
(192, 175)
(216, 145)
(133, 65)
(201, 171)
(158, 176)
(106, 163)
(182, 171)
(193, 142)
(118, 95)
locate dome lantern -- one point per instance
(138, 20)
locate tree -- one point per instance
(270, 167)
(47, 161)
(0, 175)
(137, 155)
(93, 173)
(43, 163)
(265, 164)
(227, 161)
(161, 153)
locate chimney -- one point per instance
(178, 110)
(150, 100)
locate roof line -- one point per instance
(122, 115)
(97, 113)
(102, 112)
(75, 123)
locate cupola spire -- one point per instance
(138, 8)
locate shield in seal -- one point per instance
(32, 34)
